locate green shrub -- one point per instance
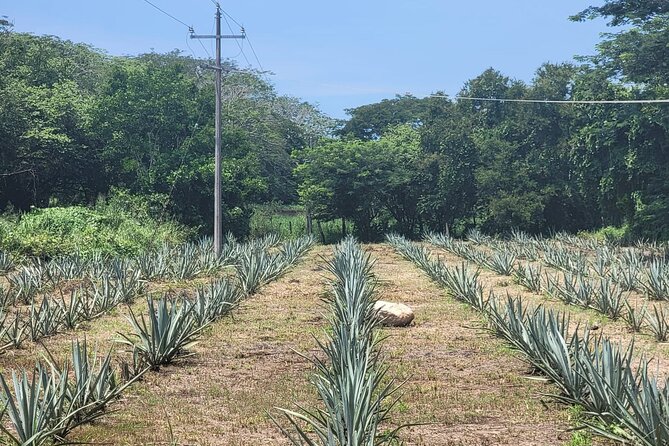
(109, 228)
(611, 234)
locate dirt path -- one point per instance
(241, 369)
(463, 381)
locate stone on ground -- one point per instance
(393, 314)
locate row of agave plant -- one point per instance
(622, 400)
(181, 262)
(643, 268)
(627, 270)
(50, 402)
(350, 378)
(69, 310)
(45, 405)
(120, 284)
(172, 325)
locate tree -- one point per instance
(371, 121)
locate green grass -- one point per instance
(289, 221)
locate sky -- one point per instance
(339, 54)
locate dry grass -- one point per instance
(461, 380)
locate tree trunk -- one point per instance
(310, 228)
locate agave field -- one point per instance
(44, 403)
(519, 340)
(612, 382)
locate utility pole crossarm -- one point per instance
(212, 36)
(218, 214)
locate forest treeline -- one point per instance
(76, 123)
(411, 165)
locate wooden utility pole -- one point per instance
(218, 217)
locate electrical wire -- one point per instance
(168, 14)
(254, 54)
(241, 49)
(204, 48)
(557, 101)
(232, 18)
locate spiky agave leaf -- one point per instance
(170, 331)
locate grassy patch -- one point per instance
(118, 227)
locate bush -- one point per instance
(109, 228)
(611, 234)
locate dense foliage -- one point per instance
(497, 166)
(74, 122)
(121, 225)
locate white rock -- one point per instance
(393, 314)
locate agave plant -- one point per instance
(6, 263)
(658, 321)
(641, 412)
(292, 250)
(256, 268)
(6, 298)
(610, 378)
(463, 284)
(186, 262)
(477, 237)
(626, 275)
(44, 320)
(35, 408)
(634, 316)
(501, 262)
(95, 383)
(543, 337)
(565, 260)
(13, 332)
(600, 267)
(73, 311)
(207, 261)
(215, 301)
(609, 299)
(127, 281)
(154, 264)
(56, 399)
(574, 289)
(67, 268)
(522, 237)
(656, 281)
(437, 239)
(351, 382)
(529, 277)
(171, 329)
(26, 284)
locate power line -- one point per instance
(241, 49)
(556, 101)
(169, 15)
(254, 54)
(232, 18)
(204, 48)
